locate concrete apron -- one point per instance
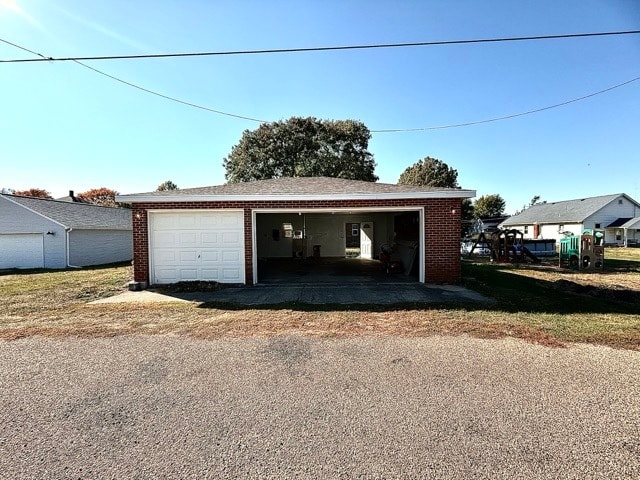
(315, 294)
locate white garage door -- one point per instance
(196, 245)
(21, 250)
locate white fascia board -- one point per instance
(295, 197)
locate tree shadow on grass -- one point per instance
(520, 293)
(31, 271)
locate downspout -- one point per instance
(68, 231)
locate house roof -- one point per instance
(568, 211)
(299, 188)
(76, 215)
(71, 198)
(618, 222)
(632, 223)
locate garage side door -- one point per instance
(21, 250)
(202, 245)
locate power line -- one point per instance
(130, 84)
(22, 48)
(506, 117)
(319, 49)
(389, 130)
(167, 97)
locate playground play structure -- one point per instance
(584, 251)
(578, 252)
(505, 246)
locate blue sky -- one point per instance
(65, 127)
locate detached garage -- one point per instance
(41, 233)
(234, 233)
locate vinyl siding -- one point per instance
(548, 232)
(609, 214)
(17, 219)
(98, 247)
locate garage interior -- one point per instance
(338, 247)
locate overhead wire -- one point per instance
(325, 49)
(152, 92)
(506, 117)
(167, 97)
(388, 130)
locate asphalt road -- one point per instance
(297, 407)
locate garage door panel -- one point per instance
(197, 246)
(165, 222)
(231, 275)
(230, 238)
(21, 251)
(210, 256)
(232, 220)
(207, 221)
(188, 238)
(165, 256)
(210, 274)
(166, 239)
(188, 256)
(230, 256)
(189, 274)
(187, 222)
(210, 239)
(166, 275)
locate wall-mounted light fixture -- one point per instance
(138, 216)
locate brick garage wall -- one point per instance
(442, 240)
(442, 230)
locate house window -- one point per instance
(597, 225)
(619, 201)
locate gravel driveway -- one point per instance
(298, 407)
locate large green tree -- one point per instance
(430, 172)
(488, 206)
(302, 147)
(467, 216)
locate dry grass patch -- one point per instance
(528, 305)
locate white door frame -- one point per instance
(420, 210)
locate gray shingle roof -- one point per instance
(321, 186)
(77, 215)
(618, 222)
(632, 223)
(568, 211)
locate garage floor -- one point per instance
(327, 270)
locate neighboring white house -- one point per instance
(618, 215)
(41, 233)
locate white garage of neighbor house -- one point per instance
(41, 233)
(228, 233)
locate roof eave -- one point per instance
(542, 222)
(295, 197)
